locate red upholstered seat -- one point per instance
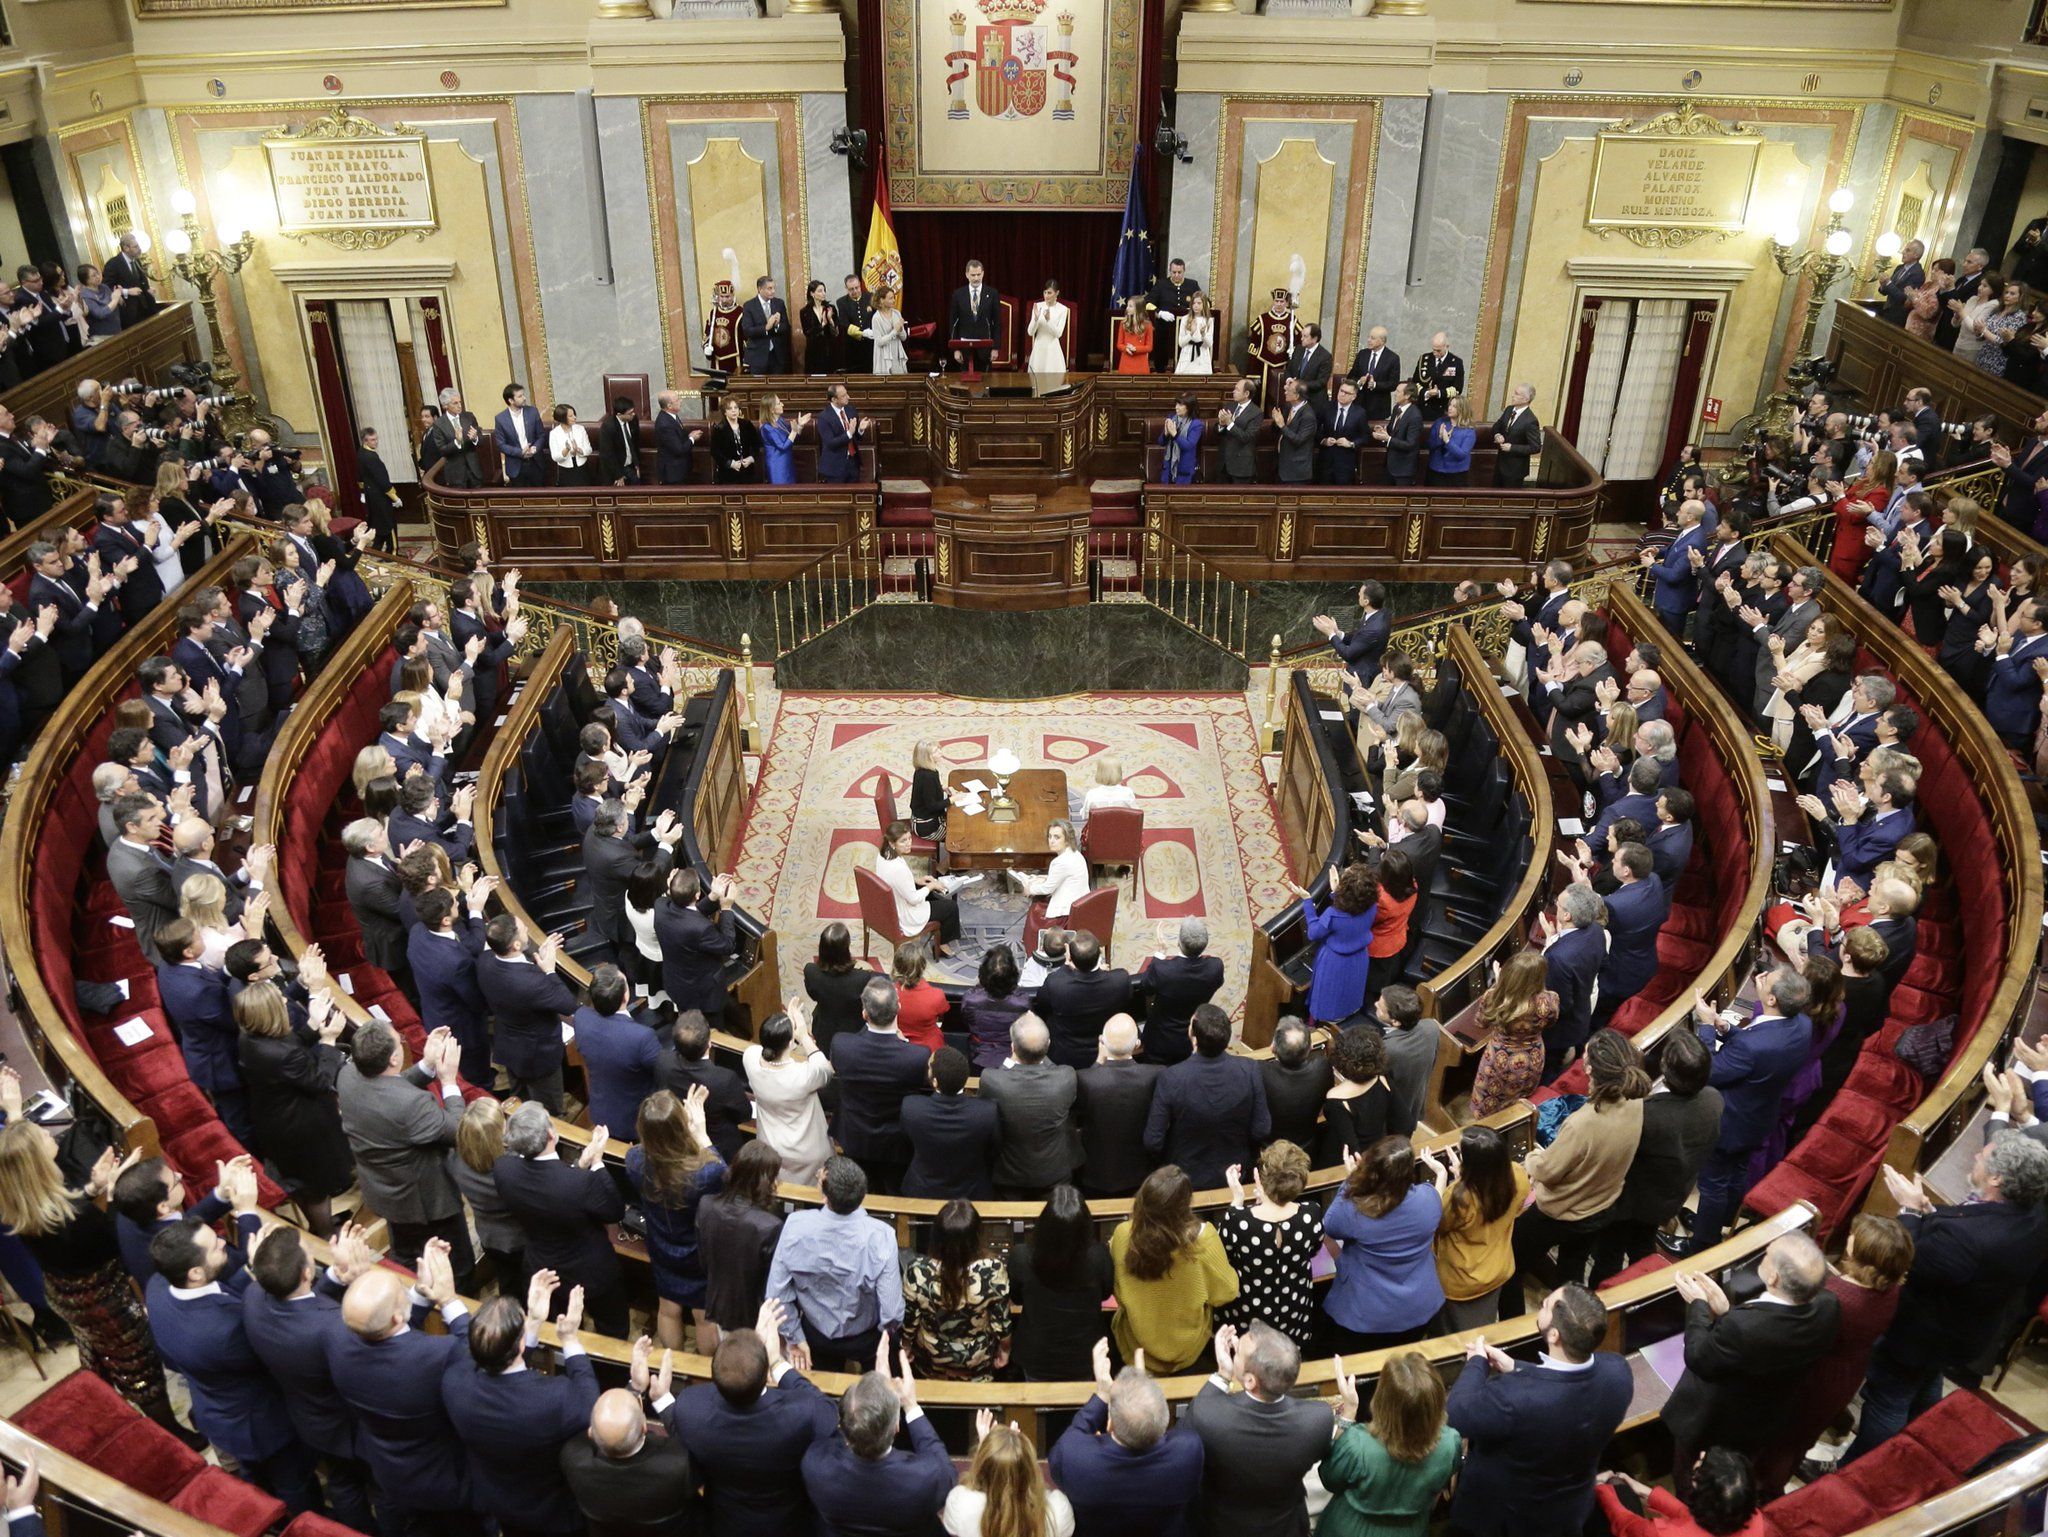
(1690, 922)
(312, 1524)
(83, 1417)
(1635, 1014)
(230, 1504)
(1925, 1459)
(1649, 1264)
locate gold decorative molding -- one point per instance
(1540, 545)
(736, 533)
(480, 531)
(945, 558)
(157, 9)
(1067, 448)
(607, 536)
(1688, 125)
(1287, 534)
(1080, 558)
(1416, 521)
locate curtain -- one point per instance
(1021, 248)
(330, 377)
(433, 330)
(375, 388)
(1603, 380)
(1635, 448)
(1685, 394)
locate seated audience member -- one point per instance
(1004, 1490)
(1744, 1364)
(1681, 1122)
(835, 1274)
(1076, 1000)
(1064, 883)
(1060, 1276)
(528, 1003)
(479, 1144)
(1039, 1140)
(1513, 1481)
(1519, 1010)
(1383, 1225)
(993, 1005)
(1123, 1463)
(623, 1480)
(1109, 788)
(1171, 1275)
(956, 1301)
(1258, 1445)
(1208, 1112)
(1356, 1112)
(1272, 1244)
(1173, 987)
(512, 1421)
(833, 983)
(618, 1051)
(674, 1169)
(920, 901)
(1384, 1478)
(686, 1064)
(566, 1210)
(877, 1070)
(1483, 1190)
(1409, 1042)
(1342, 930)
(748, 1430)
(1296, 1078)
(785, 1073)
(953, 1136)
(1574, 1182)
(920, 1002)
(737, 1231)
(1112, 1103)
(859, 1482)
(1721, 1501)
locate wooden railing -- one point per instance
(145, 351)
(74, 509)
(1880, 362)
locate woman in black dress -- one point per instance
(1355, 1113)
(833, 983)
(290, 1080)
(1946, 564)
(1061, 1277)
(1824, 690)
(737, 1230)
(735, 446)
(348, 595)
(928, 800)
(821, 331)
(1968, 606)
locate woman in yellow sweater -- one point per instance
(1484, 1191)
(1579, 1176)
(1171, 1275)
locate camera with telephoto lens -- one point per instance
(1810, 374)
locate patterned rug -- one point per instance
(1212, 845)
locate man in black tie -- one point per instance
(856, 316)
(764, 331)
(1377, 368)
(124, 269)
(1517, 437)
(1310, 365)
(1238, 423)
(453, 440)
(672, 441)
(1402, 436)
(972, 316)
(381, 504)
(1343, 430)
(618, 444)
(1907, 274)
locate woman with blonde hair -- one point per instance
(1794, 668)
(172, 494)
(1518, 1008)
(204, 899)
(674, 1166)
(1853, 510)
(928, 799)
(479, 1143)
(887, 331)
(1272, 1244)
(290, 1085)
(1109, 788)
(373, 762)
(1171, 1275)
(1004, 1492)
(1622, 721)
(1384, 1478)
(416, 687)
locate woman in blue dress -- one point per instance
(1450, 445)
(1181, 437)
(778, 441)
(674, 1166)
(1342, 929)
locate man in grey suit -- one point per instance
(1238, 425)
(1299, 426)
(1257, 1445)
(371, 882)
(1802, 607)
(1115, 1097)
(1034, 1102)
(1402, 436)
(141, 875)
(400, 1125)
(452, 441)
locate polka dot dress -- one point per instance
(1272, 1264)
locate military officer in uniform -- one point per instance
(1439, 378)
(1168, 300)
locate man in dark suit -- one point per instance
(1575, 945)
(973, 314)
(141, 875)
(694, 928)
(686, 1063)
(877, 1070)
(1515, 1484)
(1299, 429)
(1238, 425)
(954, 1136)
(748, 1429)
(673, 442)
(371, 882)
(399, 737)
(1753, 1062)
(520, 440)
(442, 950)
(1677, 583)
(1402, 437)
(1927, 434)
(1517, 438)
(124, 269)
(1173, 987)
(1343, 429)
(75, 640)
(1296, 1079)
(1310, 366)
(419, 819)
(115, 541)
(2026, 471)
(512, 1421)
(856, 316)
(1034, 1101)
(1076, 1000)
(528, 1003)
(764, 331)
(1257, 1445)
(1113, 1099)
(1906, 275)
(466, 624)
(1376, 370)
(1638, 801)
(389, 1375)
(1361, 647)
(1714, 630)
(1636, 910)
(1208, 1112)
(2012, 693)
(453, 440)
(1122, 1461)
(1802, 607)
(1971, 1263)
(611, 853)
(859, 1482)
(566, 1210)
(618, 444)
(1743, 1365)
(381, 502)
(195, 1316)
(26, 465)
(626, 1482)
(841, 432)
(195, 1000)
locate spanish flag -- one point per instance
(882, 268)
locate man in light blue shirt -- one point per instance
(835, 1273)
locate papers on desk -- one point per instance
(133, 1032)
(952, 883)
(121, 921)
(377, 1012)
(974, 786)
(1571, 827)
(1363, 800)
(1336, 715)
(1774, 784)
(971, 805)
(1667, 1359)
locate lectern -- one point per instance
(974, 349)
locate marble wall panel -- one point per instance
(636, 293)
(831, 194)
(1191, 223)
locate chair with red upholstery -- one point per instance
(1115, 835)
(878, 911)
(1096, 912)
(885, 813)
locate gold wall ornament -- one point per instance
(945, 543)
(1673, 178)
(1067, 448)
(1102, 427)
(864, 521)
(953, 448)
(917, 424)
(736, 533)
(1287, 534)
(607, 536)
(480, 531)
(1540, 545)
(1413, 548)
(1080, 558)
(351, 181)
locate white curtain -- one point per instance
(1603, 379)
(378, 392)
(1642, 413)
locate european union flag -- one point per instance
(1134, 270)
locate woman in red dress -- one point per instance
(1134, 339)
(1853, 510)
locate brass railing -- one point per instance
(876, 565)
(1143, 565)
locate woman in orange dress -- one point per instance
(1134, 339)
(1853, 510)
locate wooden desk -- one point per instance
(976, 843)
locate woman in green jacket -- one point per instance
(1384, 1478)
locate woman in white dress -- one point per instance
(164, 544)
(784, 1072)
(1048, 330)
(416, 682)
(1194, 338)
(1066, 881)
(886, 331)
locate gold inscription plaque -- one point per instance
(351, 181)
(1680, 171)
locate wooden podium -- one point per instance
(1010, 550)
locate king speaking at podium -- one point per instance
(973, 315)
